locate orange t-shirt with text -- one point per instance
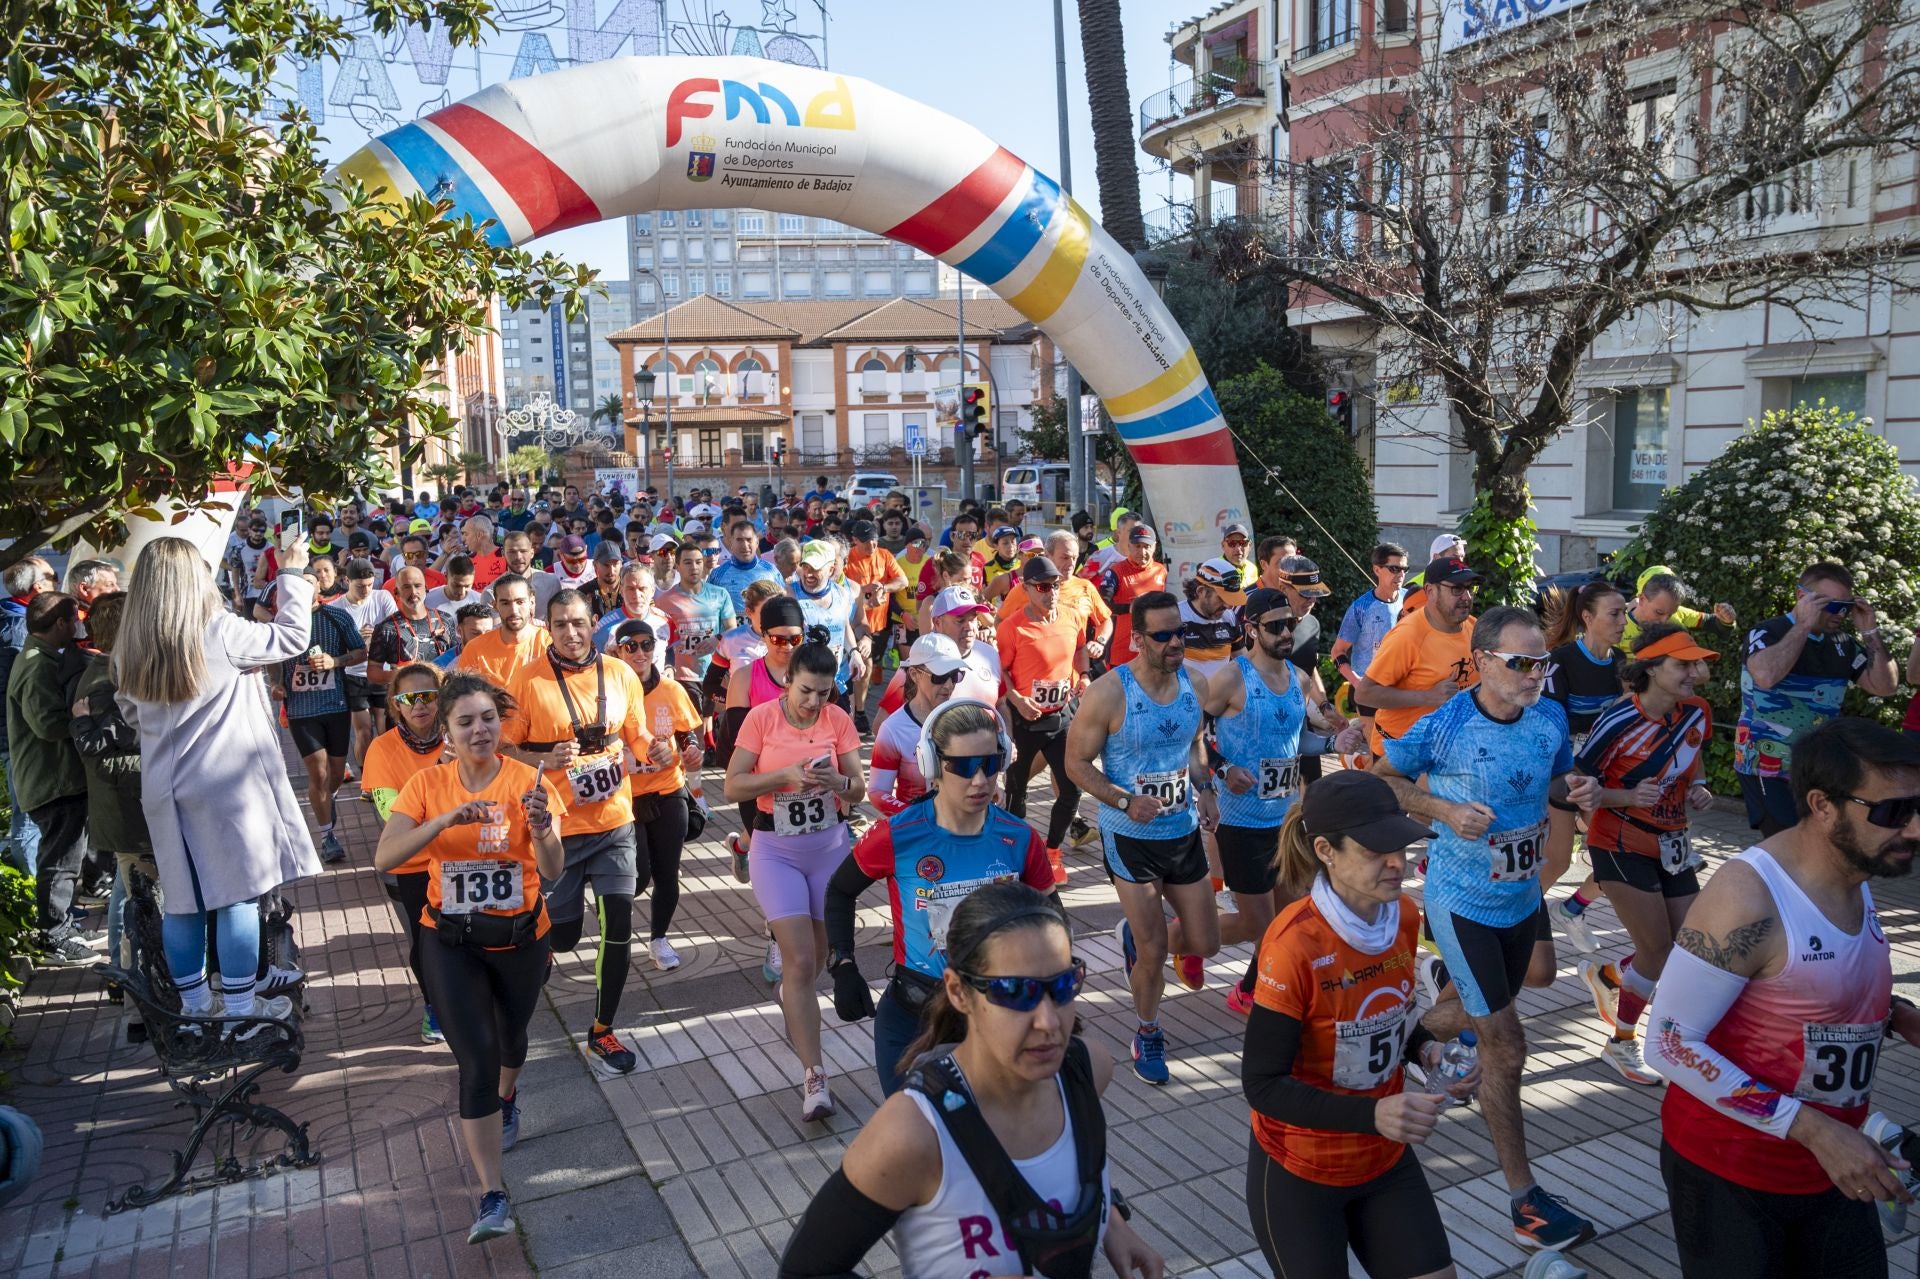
(433, 791)
(592, 806)
(1034, 650)
(668, 707)
(1352, 1009)
(1416, 656)
(390, 765)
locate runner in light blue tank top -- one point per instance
(1149, 757)
(1264, 739)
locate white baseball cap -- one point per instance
(661, 542)
(957, 599)
(1444, 544)
(937, 653)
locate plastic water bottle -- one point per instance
(1457, 1061)
(1896, 1141)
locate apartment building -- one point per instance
(1657, 396)
(756, 256)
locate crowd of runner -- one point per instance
(542, 693)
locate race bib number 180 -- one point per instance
(1515, 855)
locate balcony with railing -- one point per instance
(1226, 84)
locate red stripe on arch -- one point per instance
(963, 207)
(548, 198)
(1215, 448)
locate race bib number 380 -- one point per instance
(468, 886)
(595, 779)
(1514, 855)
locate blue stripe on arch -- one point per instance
(1008, 247)
(431, 167)
(1190, 412)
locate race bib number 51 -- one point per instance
(1515, 854)
(1366, 1052)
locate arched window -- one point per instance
(706, 377)
(874, 364)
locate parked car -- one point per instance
(1043, 484)
(866, 488)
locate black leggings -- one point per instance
(615, 955)
(1723, 1229)
(409, 895)
(484, 1000)
(657, 845)
(1029, 748)
(1304, 1228)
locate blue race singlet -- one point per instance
(1264, 739)
(1148, 756)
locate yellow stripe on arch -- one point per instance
(1164, 387)
(1040, 299)
(365, 165)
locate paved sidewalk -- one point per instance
(697, 1164)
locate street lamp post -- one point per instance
(643, 384)
(666, 345)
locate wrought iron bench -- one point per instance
(213, 1062)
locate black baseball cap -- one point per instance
(1454, 572)
(861, 530)
(1355, 803)
(1039, 569)
(1263, 600)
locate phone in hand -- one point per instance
(290, 519)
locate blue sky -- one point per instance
(988, 62)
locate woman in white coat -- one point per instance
(226, 826)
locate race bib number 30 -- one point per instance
(1171, 788)
(1279, 778)
(480, 885)
(803, 813)
(1837, 1061)
(596, 779)
(1366, 1052)
(1515, 855)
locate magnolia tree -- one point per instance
(1803, 486)
(1501, 205)
(184, 291)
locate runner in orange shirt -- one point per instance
(1135, 574)
(500, 654)
(1039, 648)
(1427, 658)
(577, 709)
(873, 569)
(488, 829)
(1331, 1165)
(1077, 596)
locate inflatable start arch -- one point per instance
(633, 135)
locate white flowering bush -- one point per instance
(1806, 484)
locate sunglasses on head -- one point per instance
(1164, 637)
(1889, 814)
(420, 697)
(1023, 994)
(1280, 626)
(971, 766)
(785, 641)
(634, 644)
(1525, 663)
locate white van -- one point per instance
(1042, 485)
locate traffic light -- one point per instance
(1340, 409)
(975, 406)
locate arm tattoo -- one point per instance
(1739, 943)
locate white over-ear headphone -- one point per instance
(928, 757)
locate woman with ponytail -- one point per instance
(1583, 635)
(1330, 1165)
(1000, 1078)
(798, 760)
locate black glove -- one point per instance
(852, 999)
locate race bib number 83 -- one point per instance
(803, 813)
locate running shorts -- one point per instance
(329, 733)
(603, 858)
(363, 694)
(1488, 964)
(1247, 857)
(1637, 870)
(789, 873)
(1176, 861)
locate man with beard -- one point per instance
(242, 561)
(414, 633)
(571, 570)
(1424, 660)
(1141, 723)
(1492, 758)
(500, 654)
(1769, 1020)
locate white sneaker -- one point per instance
(771, 968)
(279, 1008)
(1605, 992)
(1579, 932)
(1624, 1056)
(665, 957)
(1432, 972)
(816, 1100)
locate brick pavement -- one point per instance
(711, 1115)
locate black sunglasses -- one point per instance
(951, 677)
(1164, 637)
(971, 766)
(1023, 994)
(1890, 814)
(634, 644)
(1280, 626)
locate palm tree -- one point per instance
(1103, 45)
(614, 410)
(529, 462)
(472, 463)
(446, 473)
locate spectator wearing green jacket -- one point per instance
(47, 773)
(110, 752)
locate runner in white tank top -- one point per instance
(1769, 1020)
